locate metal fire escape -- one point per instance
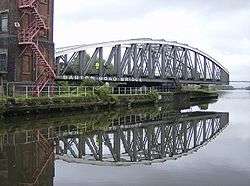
(29, 36)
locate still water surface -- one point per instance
(224, 161)
(151, 146)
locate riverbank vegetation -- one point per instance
(100, 98)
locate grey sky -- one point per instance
(220, 28)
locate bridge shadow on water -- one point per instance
(139, 136)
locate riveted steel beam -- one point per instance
(150, 60)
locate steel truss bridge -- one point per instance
(139, 60)
(130, 139)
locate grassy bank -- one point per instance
(102, 99)
(201, 94)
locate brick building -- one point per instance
(18, 62)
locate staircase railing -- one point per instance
(27, 37)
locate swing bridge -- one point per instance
(144, 61)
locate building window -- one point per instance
(4, 22)
(26, 65)
(3, 62)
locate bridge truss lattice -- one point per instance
(142, 60)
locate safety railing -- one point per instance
(26, 37)
(15, 90)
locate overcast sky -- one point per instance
(220, 28)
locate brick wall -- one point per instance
(21, 65)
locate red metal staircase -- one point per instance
(29, 37)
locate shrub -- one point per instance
(62, 83)
(3, 105)
(58, 100)
(77, 99)
(104, 93)
(19, 101)
(204, 87)
(153, 96)
(3, 101)
(43, 101)
(113, 99)
(90, 82)
(91, 98)
(33, 101)
(63, 100)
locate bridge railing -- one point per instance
(15, 90)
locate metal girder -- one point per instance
(141, 60)
(82, 61)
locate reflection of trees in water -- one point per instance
(90, 120)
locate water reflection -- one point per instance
(141, 138)
(144, 136)
(27, 158)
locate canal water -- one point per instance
(199, 145)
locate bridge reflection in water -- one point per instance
(143, 139)
(27, 156)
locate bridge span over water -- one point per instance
(139, 60)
